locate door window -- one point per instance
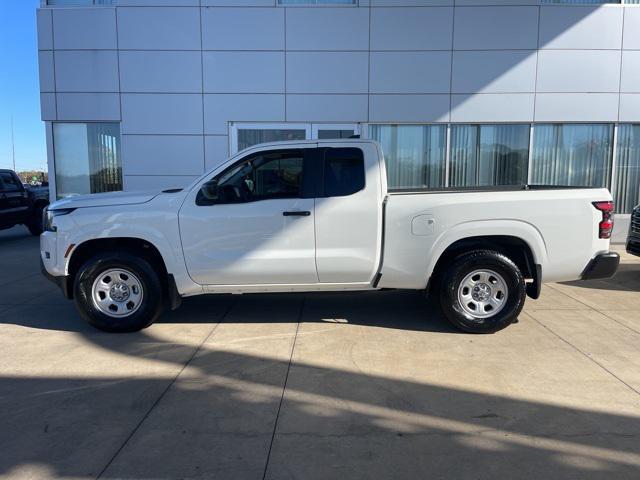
(343, 172)
(265, 176)
(8, 183)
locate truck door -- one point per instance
(14, 201)
(253, 224)
(348, 213)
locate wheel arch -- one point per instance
(514, 247)
(132, 245)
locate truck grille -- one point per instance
(635, 221)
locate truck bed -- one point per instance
(559, 224)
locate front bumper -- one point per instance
(603, 265)
(62, 281)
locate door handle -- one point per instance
(297, 213)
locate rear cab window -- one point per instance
(343, 172)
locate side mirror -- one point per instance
(210, 190)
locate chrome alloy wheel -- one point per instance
(117, 293)
(483, 293)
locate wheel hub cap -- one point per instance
(482, 293)
(119, 292)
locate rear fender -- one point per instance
(484, 228)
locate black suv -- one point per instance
(20, 204)
(633, 241)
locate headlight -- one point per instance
(49, 215)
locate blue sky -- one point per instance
(19, 88)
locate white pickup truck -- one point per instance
(318, 216)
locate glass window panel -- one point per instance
(415, 155)
(343, 172)
(572, 155)
(87, 158)
(247, 137)
(8, 183)
(330, 134)
(317, 2)
(464, 155)
(487, 155)
(263, 176)
(80, 2)
(279, 177)
(627, 185)
(504, 154)
(585, 2)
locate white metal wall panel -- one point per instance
(243, 72)
(161, 72)
(86, 28)
(327, 72)
(175, 28)
(243, 28)
(411, 28)
(221, 109)
(578, 71)
(327, 108)
(410, 72)
(88, 106)
(580, 27)
(489, 107)
(497, 71)
(327, 28)
(86, 71)
(495, 28)
(162, 154)
(576, 107)
(161, 114)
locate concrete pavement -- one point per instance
(319, 386)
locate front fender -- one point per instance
(160, 229)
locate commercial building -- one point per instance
(141, 94)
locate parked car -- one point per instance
(318, 216)
(633, 240)
(20, 204)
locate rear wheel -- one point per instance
(482, 292)
(118, 292)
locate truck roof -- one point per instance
(306, 142)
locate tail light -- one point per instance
(606, 225)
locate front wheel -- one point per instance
(118, 292)
(482, 292)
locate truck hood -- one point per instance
(104, 200)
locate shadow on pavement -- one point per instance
(15, 233)
(392, 309)
(627, 279)
(403, 310)
(217, 420)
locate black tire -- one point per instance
(150, 307)
(462, 267)
(35, 222)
